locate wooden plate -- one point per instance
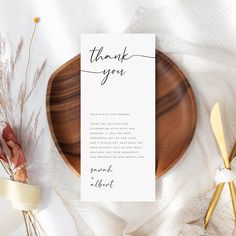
(176, 113)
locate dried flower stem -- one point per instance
(24, 92)
(5, 168)
(32, 224)
(29, 51)
(26, 223)
(39, 227)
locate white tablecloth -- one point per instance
(199, 36)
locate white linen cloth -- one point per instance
(200, 37)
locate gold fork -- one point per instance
(217, 127)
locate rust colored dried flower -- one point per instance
(17, 158)
(8, 134)
(3, 156)
(20, 174)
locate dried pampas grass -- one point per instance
(23, 130)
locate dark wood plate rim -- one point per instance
(194, 112)
(164, 57)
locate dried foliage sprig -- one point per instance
(15, 166)
(20, 135)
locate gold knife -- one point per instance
(233, 153)
(217, 192)
(217, 127)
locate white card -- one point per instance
(117, 117)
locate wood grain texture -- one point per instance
(176, 112)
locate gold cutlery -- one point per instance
(217, 127)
